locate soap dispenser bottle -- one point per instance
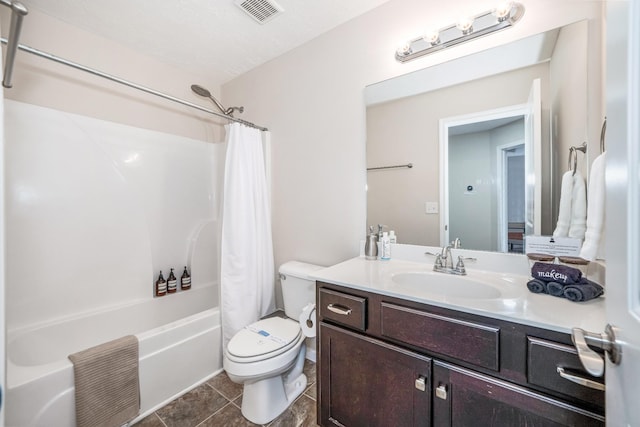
(161, 286)
(371, 245)
(185, 280)
(172, 283)
(385, 245)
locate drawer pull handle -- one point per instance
(441, 392)
(339, 309)
(579, 380)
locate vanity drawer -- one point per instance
(470, 342)
(339, 307)
(543, 360)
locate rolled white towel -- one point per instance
(578, 207)
(564, 212)
(595, 209)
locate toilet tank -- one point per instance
(297, 289)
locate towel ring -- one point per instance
(603, 133)
(573, 155)
(573, 160)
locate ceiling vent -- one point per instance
(260, 10)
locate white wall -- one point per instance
(43, 82)
(567, 124)
(471, 157)
(312, 100)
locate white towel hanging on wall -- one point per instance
(578, 207)
(572, 215)
(595, 210)
(564, 212)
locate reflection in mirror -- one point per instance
(403, 126)
(485, 174)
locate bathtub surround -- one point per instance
(107, 384)
(96, 209)
(93, 209)
(247, 270)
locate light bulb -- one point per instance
(432, 37)
(404, 50)
(503, 11)
(465, 24)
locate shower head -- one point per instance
(199, 90)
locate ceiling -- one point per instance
(215, 38)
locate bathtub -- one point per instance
(180, 347)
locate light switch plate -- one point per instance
(431, 207)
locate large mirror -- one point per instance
(430, 163)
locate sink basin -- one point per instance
(447, 285)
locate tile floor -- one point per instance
(216, 403)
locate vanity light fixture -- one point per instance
(505, 15)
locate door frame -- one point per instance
(502, 179)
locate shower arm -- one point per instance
(227, 111)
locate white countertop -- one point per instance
(515, 303)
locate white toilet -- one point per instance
(268, 355)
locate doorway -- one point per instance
(483, 161)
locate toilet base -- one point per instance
(264, 400)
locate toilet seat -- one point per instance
(263, 339)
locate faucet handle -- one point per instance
(438, 262)
(460, 266)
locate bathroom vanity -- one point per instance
(394, 349)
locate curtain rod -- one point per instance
(95, 72)
(18, 12)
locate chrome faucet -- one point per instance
(444, 260)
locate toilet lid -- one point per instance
(263, 337)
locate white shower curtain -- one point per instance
(247, 266)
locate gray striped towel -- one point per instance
(107, 387)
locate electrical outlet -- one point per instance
(431, 207)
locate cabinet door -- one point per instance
(465, 398)
(366, 382)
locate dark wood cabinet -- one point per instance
(371, 383)
(467, 398)
(385, 361)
